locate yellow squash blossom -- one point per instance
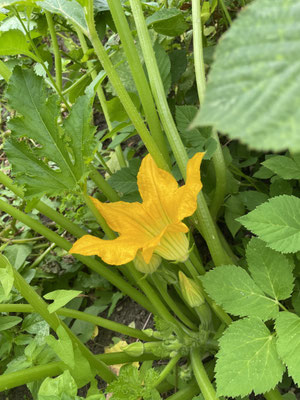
(152, 228)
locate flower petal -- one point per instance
(115, 252)
(128, 219)
(157, 188)
(185, 200)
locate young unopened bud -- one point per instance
(134, 349)
(190, 291)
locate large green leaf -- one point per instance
(253, 91)
(46, 166)
(71, 10)
(233, 289)
(13, 43)
(271, 271)
(247, 359)
(276, 222)
(284, 166)
(288, 342)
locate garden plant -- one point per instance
(150, 151)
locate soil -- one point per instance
(126, 312)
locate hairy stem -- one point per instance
(57, 57)
(200, 374)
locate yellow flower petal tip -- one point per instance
(152, 228)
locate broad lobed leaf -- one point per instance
(247, 359)
(276, 222)
(253, 91)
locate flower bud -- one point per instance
(134, 349)
(190, 291)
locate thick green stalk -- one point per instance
(124, 97)
(102, 184)
(101, 221)
(168, 368)
(200, 374)
(202, 218)
(40, 306)
(153, 297)
(187, 393)
(138, 75)
(224, 8)
(18, 378)
(83, 316)
(171, 303)
(57, 57)
(218, 158)
(24, 376)
(93, 264)
(102, 99)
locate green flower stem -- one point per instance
(18, 378)
(40, 306)
(166, 371)
(187, 393)
(273, 394)
(101, 221)
(83, 316)
(40, 258)
(93, 264)
(39, 59)
(171, 303)
(22, 241)
(218, 158)
(200, 374)
(138, 75)
(153, 297)
(102, 99)
(202, 218)
(217, 309)
(124, 97)
(225, 11)
(105, 188)
(57, 57)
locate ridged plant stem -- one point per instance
(123, 95)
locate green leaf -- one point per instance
(14, 42)
(288, 342)
(251, 199)
(71, 10)
(168, 21)
(247, 359)
(276, 222)
(61, 298)
(256, 75)
(199, 139)
(164, 66)
(6, 275)
(271, 271)
(283, 166)
(234, 208)
(17, 254)
(56, 388)
(47, 166)
(63, 347)
(8, 322)
(233, 289)
(125, 180)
